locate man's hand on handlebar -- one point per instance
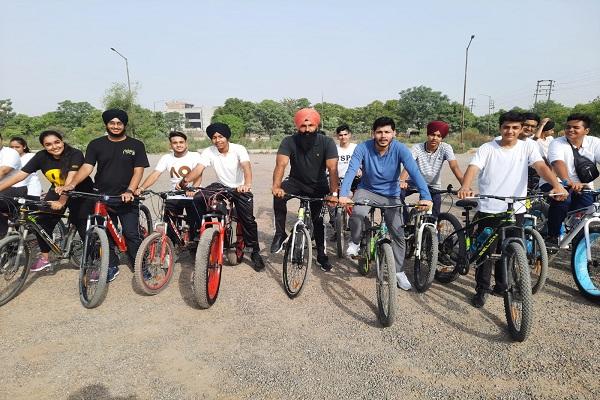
(244, 188)
(66, 188)
(464, 192)
(424, 205)
(127, 197)
(278, 192)
(342, 201)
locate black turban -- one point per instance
(223, 129)
(549, 125)
(121, 115)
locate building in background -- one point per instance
(197, 118)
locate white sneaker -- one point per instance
(353, 249)
(402, 281)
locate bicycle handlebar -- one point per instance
(101, 196)
(305, 198)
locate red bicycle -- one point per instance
(93, 273)
(220, 234)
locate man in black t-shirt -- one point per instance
(309, 155)
(121, 161)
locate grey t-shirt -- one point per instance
(430, 164)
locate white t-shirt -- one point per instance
(34, 187)
(178, 168)
(503, 172)
(10, 158)
(560, 149)
(344, 156)
(227, 166)
(544, 144)
(430, 164)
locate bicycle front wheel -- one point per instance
(206, 280)
(93, 272)
(145, 221)
(296, 261)
(537, 256)
(452, 248)
(386, 284)
(518, 300)
(235, 243)
(587, 272)
(154, 263)
(340, 229)
(14, 267)
(425, 264)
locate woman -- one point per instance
(59, 163)
(34, 187)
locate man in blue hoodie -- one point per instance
(381, 160)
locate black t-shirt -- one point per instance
(116, 161)
(51, 167)
(309, 168)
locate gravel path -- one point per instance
(256, 343)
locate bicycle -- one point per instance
(218, 228)
(155, 259)
(341, 226)
(584, 241)
(15, 250)
(375, 244)
(297, 258)
(93, 271)
(518, 301)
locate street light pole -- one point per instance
(128, 86)
(462, 118)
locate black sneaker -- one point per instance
(277, 244)
(478, 300)
(498, 290)
(257, 262)
(323, 261)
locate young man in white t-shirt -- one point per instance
(179, 163)
(501, 166)
(560, 156)
(232, 167)
(10, 163)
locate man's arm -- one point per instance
(84, 171)
(247, 170)
(138, 173)
(5, 170)
(455, 168)
(16, 178)
(538, 133)
(148, 182)
(334, 180)
(465, 189)
(404, 178)
(194, 176)
(281, 162)
(560, 167)
(546, 173)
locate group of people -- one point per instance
(379, 170)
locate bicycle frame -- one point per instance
(422, 225)
(592, 214)
(303, 214)
(101, 218)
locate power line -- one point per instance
(543, 87)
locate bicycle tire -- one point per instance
(537, 257)
(364, 258)
(297, 265)
(386, 285)
(586, 273)
(425, 265)
(540, 210)
(9, 268)
(154, 263)
(339, 232)
(206, 280)
(451, 248)
(94, 265)
(145, 221)
(518, 299)
(235, 250)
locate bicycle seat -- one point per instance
(467, 203)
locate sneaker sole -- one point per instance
(40, 269)
(114, 277)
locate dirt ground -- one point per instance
(257, 343)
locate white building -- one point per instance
(196, 118)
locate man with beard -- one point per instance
(121, 161)
(309, 155)
(382, 159)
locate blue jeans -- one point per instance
(558, 209)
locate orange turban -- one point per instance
(309, 114)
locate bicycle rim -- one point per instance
(386, 284)
(587, 272)
(296, 262)
(13, 270)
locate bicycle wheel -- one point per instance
(145, 221)
(235, 243)
(93, 272)
(60, 232)
(154, 263)
(425, 264)
(364, 259)
(587, 272)
(537, 256)
(340, 230)
(539, 209)
(386, 284)
(451, 248)
(14, 267)
(296, 263)
(206, 279)
(518, 301)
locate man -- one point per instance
(10, 163)
(309, 155)
(232, 167)
(430, 157)
(382, 159)
(530, 124)
(121, 161)
(544, 135)
(179, 163)
(345, 148)
(501, 166)
(561, 157)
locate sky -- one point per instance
(346, 52)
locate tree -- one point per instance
(293, 105)
(173, 121)
(235, 123)
(592, 109)
(553, 110)
(273, 116)
(118, 96)
(72, 115)
(6, 112)
(419, 105)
